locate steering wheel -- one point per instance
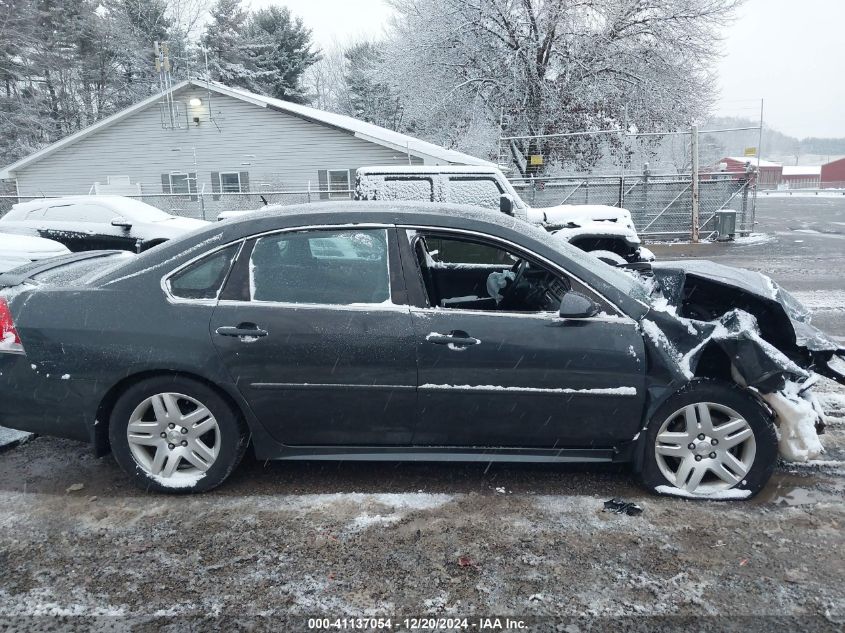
(518, 270)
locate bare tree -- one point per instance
(551, 66)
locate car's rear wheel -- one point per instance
(710, 440)
(174, 434)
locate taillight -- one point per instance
(10, 340)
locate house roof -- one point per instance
(802, 170)
(753, 160)
(360, 129)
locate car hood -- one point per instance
(763, 329)
(563, 213)
(598, 229)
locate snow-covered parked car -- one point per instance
(608, 232)
(16, 250)
(84, 223)
(391, 331)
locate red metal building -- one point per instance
(833, 174)
(801, 176)
(770, 173)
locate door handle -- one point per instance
(241, 331)
(453, 339)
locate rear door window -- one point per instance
(321, 267)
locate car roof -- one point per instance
(348, 213)
(379, 212)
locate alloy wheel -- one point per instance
(173, 437)
(704, 448)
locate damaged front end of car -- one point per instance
(710, 320)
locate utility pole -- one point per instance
(694, 176)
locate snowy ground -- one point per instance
(284, 541)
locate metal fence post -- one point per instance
(694, 176)
(621, 191)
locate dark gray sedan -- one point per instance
(380, 331)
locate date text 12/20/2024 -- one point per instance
(418, 624)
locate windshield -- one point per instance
(139, 211)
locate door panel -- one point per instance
(324, 376)
(321, 373)
(532, 380)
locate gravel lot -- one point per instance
(80, 547)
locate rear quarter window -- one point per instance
(204, 278)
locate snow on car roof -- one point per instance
(135, 209)
(427, 169)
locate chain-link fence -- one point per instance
(207, 206)
(650, 174)
(661, 204)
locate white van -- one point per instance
(606, 231)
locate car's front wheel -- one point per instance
(174, 434)
(710, 440)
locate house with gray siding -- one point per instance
(203, 147)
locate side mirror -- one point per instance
(122, 223)
(577, 306)
(506, 204)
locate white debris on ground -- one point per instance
(178, 480)
(719, 495)
(753, 239)
(797, 415)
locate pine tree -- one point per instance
(224, 43)
(368, 97)
(279, 51)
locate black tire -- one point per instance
(726, 395)
(233, 435)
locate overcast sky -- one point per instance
(789, 52)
